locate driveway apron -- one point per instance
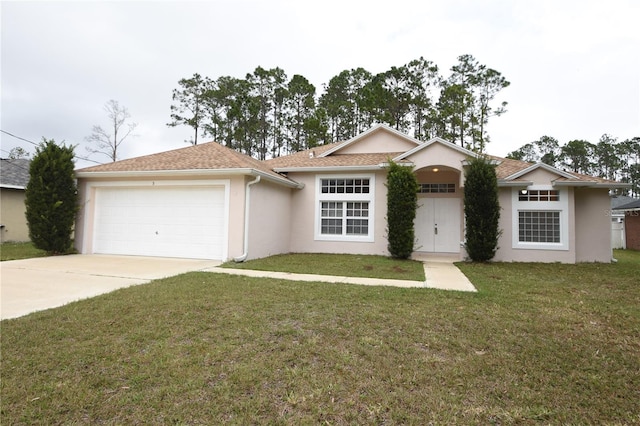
(41, 283)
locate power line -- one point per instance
(18, 137)
(33, 143)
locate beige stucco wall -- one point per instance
(12, 215)
(303, 205)
(86, 192)
(508, 253)
(380, 141)
(593, 225)
(269, 223)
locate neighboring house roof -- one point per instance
(633, 205)
(14, 173)
(620, 200)
(213, 158)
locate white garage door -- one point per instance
(165, 221)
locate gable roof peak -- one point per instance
(371, 130)
(436, 139)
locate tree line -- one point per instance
(266, 114)
(609, 158)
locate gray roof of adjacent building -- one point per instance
(14, 173)
(633, 205)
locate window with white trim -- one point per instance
(540, 218)
(345, 207)
(539, 226)
(539, 195)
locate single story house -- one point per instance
(631, 214)
(14, 177)
(208, 201)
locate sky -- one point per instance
(574, 65)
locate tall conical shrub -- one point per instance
(402, 202)
(51, 197)
(481, 209)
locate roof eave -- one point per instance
(7, 186)
(187, 173)
(328, 169)
(591, 184)
(514, 183)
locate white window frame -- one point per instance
(561, 206)
(345, 198)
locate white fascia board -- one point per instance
(11, 186)
(328, 169)
(190, 172)
(514, 184)
(591, 184)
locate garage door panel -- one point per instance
(161, 221)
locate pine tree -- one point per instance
(51, 197)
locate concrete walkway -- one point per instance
(37, 284)
(440, 273)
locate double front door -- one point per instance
(437, 225)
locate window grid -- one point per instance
(437, 188)
(344, 186)
(357, 226)
(539, 195)
(333, 212)
(539, 226)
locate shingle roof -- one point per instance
(206, 156)
(311, 158)
(213, 156)
(621, 200)
(508, 167)
(634, 205)
(14, 172)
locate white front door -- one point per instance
(437, 225)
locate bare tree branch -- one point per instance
(104, 142)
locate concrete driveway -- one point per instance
(36, 284)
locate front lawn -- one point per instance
(538, 344)
(15, 251)
(367, 266)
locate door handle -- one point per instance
(436, 229)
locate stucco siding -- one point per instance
(378, 142)
(508, 253)
(303, 220)
(12, 215)
(540, 176)
(593, 225)
(437, 154)
(269, 230)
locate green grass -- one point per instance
(538, 344)
(14, 251)
(367, 266)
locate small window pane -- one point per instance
(539, 195)
(539, 226)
